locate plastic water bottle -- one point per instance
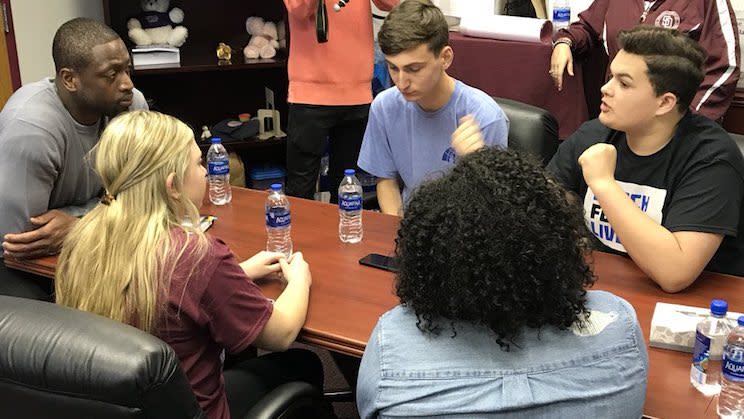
(731, 399)
(350, 208)
(561, 14)
(218, 172)
(705, 372)
(278, 222)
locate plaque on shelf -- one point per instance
(156, 56)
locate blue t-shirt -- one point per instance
(402, 140)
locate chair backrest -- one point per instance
(64, 363)
(531, 129)
(739, 140)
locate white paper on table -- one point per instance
(509, 28)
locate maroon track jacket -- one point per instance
(711, 22)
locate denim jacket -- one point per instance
(598, 371)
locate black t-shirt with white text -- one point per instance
(694, 183)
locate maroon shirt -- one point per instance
(215, 307)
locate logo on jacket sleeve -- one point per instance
(668, 19)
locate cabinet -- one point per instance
(201, 91)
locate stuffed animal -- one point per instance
(155, 24)
(266, 38)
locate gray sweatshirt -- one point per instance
(44, 161)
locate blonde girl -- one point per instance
(138, 258)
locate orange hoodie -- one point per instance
(338, 72)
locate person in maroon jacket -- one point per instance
(710, 22)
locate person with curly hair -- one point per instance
(494, 315)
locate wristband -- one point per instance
(563, 40)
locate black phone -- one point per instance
(379, 261)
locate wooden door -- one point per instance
(9, 75)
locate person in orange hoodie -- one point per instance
(330, 88)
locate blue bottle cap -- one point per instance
(719, 307)
(349, 172)
(740, 320)
(216, 140)
(276, 186)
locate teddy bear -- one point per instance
(266, 38)
(155, 24)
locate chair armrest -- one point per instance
(739, 140)
(291, 400)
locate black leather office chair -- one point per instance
(739, 140)
(56, 362)
(531, 129)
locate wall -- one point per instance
(377, 23)
(738, 6)
(458, 7)
(35, 23)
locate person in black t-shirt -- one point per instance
(659, 183)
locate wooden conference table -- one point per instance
(346, 298)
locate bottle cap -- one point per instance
(216, 140)
(276, 186)
(719, 307)
(244, 117)
(740, 320)
(349, 172)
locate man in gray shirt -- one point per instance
(47, 131)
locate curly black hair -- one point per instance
(494, 242)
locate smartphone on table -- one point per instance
(206, 221)
(379, 261)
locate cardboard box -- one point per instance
(673, 326)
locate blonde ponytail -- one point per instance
(117, 261)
